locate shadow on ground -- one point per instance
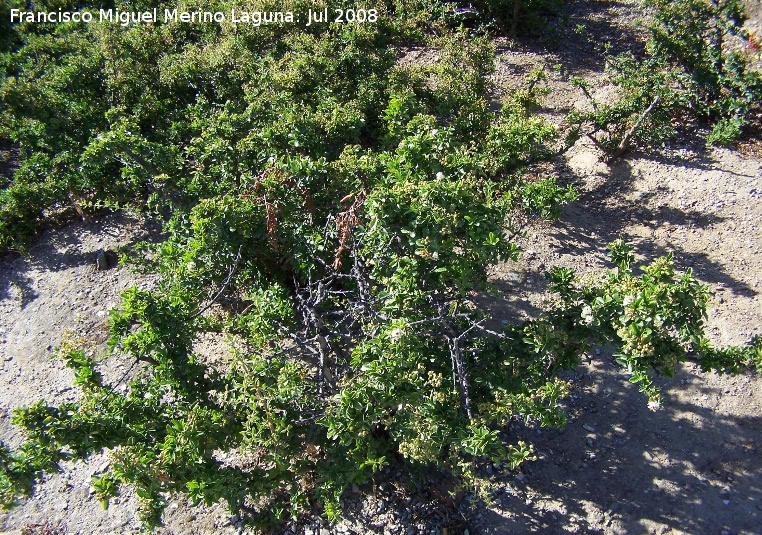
(691, 467)
(64, 248)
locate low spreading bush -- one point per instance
(698, 66)
(331, 212)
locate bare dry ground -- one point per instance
(617, 468)
(693, 466)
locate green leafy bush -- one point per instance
(641, 113)
(330, 212)
(697, 66)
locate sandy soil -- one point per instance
(692, 467)
(617, 468)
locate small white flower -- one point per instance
(434, 132)
(440, 175)
(396, 334)
(627, 300)
(435, 256)
(587, 315)
(654, 405)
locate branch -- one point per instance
(224, 285)
(625, 143)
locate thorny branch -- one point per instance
(337, 307)
(223, 287)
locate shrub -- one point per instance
(332, 213)
(697, 66)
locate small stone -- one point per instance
(325, 531)
(513, 276)
(102, 468)
(588, 428)
(101, 261)
(726, 502)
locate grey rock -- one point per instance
(513, 276)
(103, 467)
(101, 261)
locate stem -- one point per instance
(625, 143)
(515, 21)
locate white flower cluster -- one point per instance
(587, 315)
(396, 334)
